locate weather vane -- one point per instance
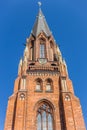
(39, 3)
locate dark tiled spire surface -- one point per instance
(41, 25)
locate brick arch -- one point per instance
(42, 39)
(44, 100)
(38, 79)
(49, 79)
(42, 35)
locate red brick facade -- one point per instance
(43, 79)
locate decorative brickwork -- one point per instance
(43, 97)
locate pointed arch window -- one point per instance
(45, 118)
(38, 85)
(42, 50)
(49, 85)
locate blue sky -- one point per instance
(68, 21)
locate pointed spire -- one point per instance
(40, 24)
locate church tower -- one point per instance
(43, 97)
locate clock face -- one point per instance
(42, 61)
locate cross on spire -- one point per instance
(39, 3)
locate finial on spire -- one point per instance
(39, 3)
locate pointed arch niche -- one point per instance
(45, 116)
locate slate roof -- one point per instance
(41, 25)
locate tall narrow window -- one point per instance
(38, 86)
(44, 118)
(39, 122)
(50, 127)
(48, 87)
(42, 51)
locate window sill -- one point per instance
(38, 91)
(49, 91)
